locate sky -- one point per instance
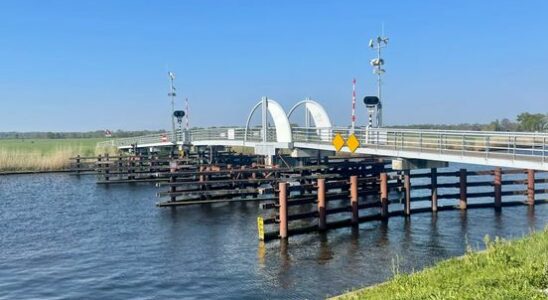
(88, 65)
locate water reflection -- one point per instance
(325, 253)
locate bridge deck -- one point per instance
(504, 149)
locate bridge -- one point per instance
(501, 149)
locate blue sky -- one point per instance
(85, 65)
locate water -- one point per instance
(64, 237)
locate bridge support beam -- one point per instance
(531, 187)
(498, 188)
(321, 204)
(434, 188)
(354, 199)
(463, 188)
(282, 198)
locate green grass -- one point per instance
(505, 270)
(43, 154)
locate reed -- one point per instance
(45, 155)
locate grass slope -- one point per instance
(505, 270)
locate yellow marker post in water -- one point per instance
(260, 228)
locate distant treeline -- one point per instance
(74, 135)
(524, 122)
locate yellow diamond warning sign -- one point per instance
(338, 142)
(353, 143)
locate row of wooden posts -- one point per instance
(380, 188)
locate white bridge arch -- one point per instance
(281, 122)
(322, 122)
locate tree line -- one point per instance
(74, 135)
(523, 122)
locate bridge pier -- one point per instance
(498, 188)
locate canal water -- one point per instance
(64, 237)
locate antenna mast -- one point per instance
(377, 63)
(172, 94)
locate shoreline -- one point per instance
(483, 266)
(7, 173)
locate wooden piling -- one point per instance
(497, 184)
(531, 187)
(354, 199)
(407, 186)
(384, 194)
(463, 188)
(282, 198)
(434, 188)
(107, 167)
(78, 164)
(321, 204)
(172, 189)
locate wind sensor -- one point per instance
(375, 106)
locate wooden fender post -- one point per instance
(407, 185)
(321, 204)
(531, 187)
(434, 188)
(107, 170)
(78, 164)
(354, 199)
(384, 194)
(498, 189)
(282, 198)
(463, 188)
(172, 189)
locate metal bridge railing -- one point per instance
(466, 143)
(514, 145)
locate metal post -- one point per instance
(282, 198)
(384, 194)
(264, 108)
(407, 186)
(498, 188)
(434, 188)
(463, 187)
(531, 187)
(321, 204)
(354, 199)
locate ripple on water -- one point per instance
(67, 237)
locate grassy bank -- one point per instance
(505, 270)
(43, 154)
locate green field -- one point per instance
(43, 154)
(505, 270)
